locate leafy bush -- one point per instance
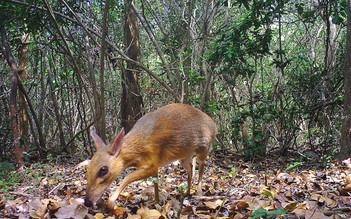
(8, 178)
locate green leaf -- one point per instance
(293, 166)
(337, 19)
(265, 213)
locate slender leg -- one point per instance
(157, 196)
(201, 171)
(136, 175)
(201, 159)
(186, 163)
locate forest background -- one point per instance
(270, 73)
(275, 75)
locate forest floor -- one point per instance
(268, 188)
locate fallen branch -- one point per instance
(208, 198)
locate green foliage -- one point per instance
(339, 12)
(195, 77)
(267, 61)
(268, 194)
(243, 39)
(293, 167)
(22, 18)
(6, 168)
(233, 172)
(154, 179)
(263, 213)
(249, 36)
(329, 158)
(182, 188)
(8, 178)
(257, 115)
(305, 12)
(253, 49)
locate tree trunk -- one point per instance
(205, 69)
(102, 120)
(18, 151)
(131, 100)
(55, 102)
(345, 150)
(23, 74)
(94, 87)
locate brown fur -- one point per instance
(173, 132)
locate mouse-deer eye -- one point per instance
(103, 171)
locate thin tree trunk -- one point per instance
(35, 118)
(23, 74)
(37, 122)
(90, 32)
(18, 151)
(69, 52)
(55, 103)
(102, 116)
(91, 70)
(205, 69)
(187, 62)
(345, 150)
(131, 101)
(168, 66)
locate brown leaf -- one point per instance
(257, 204)
(284, 177)
(36, 208)
(76, 211)
(289, 206)
(187, 210)
(239, 216)
(299, 211)
(242, 205)
(289, 195)
(311, 214)
(151, 214)
(133, 216)
(347, 179)
(2, 202)
(53, 206)
(35, 203)
(316, 197)
(343, 192)
(311, 204)
(213, 205)
(330, 203)
(39, 213)
(203, 216)
(120, 212)
(347, 188)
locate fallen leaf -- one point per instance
(120, 212)
(299, 211)
(257, 204)
(347, 188)
(76, 211)
(151, 214)
(99, 216)
(347, 179)
(289, 206)
(211, 205)
(242, 205)
(39, 213)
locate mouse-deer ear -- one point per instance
(116, 145)
(99, 143)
